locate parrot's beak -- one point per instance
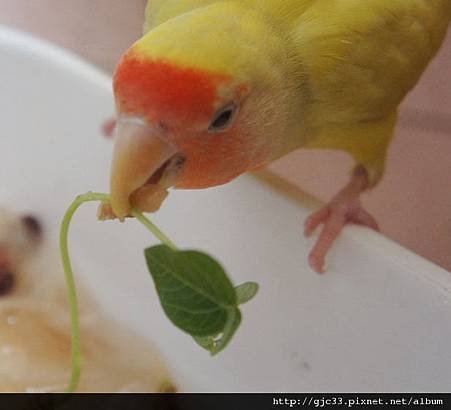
(140, 151)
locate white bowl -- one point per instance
(379, 320)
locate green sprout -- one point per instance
(194, 290)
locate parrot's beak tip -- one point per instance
(144, 166)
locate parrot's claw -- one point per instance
(108, 127)
(344, 208)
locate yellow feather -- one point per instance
(343, 66)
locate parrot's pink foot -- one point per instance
(108, 127)
(344, 208)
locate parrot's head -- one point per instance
(199, 102)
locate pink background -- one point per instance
(412, 203)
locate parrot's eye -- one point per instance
(223, 118)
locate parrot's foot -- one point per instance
(108, 127)
(345, 207)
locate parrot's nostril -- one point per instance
(33, 225)
(6, 281)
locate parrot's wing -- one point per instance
(362, 57)
(159, 11)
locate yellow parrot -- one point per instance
(218, 88)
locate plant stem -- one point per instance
(69, 274)
(153, 228)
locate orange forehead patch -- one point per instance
(164, 91)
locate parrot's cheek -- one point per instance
(224, 158)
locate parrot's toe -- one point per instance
(317, 262)
(334, 217)
(314, 220)
(364, 218)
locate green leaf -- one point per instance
(194, 291)
(207, 342)
(232, 324)
(245, 292)
(215, 344)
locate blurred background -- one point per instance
(412, 203)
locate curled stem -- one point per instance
(69, 274)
